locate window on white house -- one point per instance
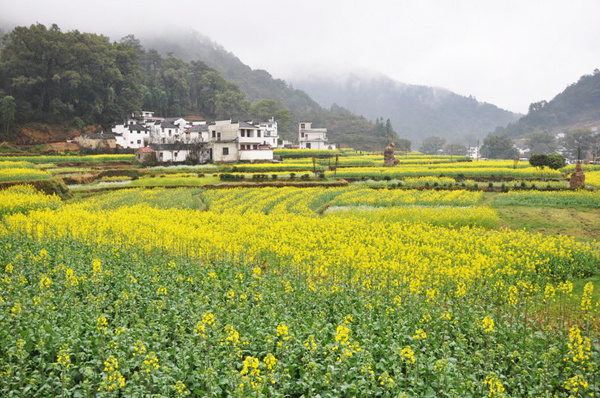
(302, 125)
(225, 151)
(139, 141)
(258, 133)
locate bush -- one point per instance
(554, 162)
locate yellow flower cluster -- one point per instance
(400, 197)
(63, 359)
(447, 169)
(112, 378)
(593, 178)
(415, 255)
(180, 388)
(208, 320)
(23, 174)
(150, 362)
(487, 324)
(579, 347)
(8, 164)
(408, 355)
(575, 383)
(24, 198)
(495, 387)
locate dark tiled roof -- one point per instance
(200, 127)
(245, 125)
(168, 125)
(137, 127)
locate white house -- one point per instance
(271, 134)
(313, 138)
(473, 152)
(135, 131)
(196, 133)
(238, 141)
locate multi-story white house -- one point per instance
(473, 152)
(271, 134)
(135, 131)
(238, 141)
(313, 138)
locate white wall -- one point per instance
(260, 154)
(218, 155)
(172, 156)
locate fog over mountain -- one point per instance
(509, 53)
(415, 111)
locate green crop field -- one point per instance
(148, 283)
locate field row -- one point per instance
(136, 293)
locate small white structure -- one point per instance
(313, 138)
(473, 152)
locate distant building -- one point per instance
(271, 134)
(473, 152)
(313, 138)
(98, 143)
(234, 141)
(178, 140)
(145, 155)
(136, 130)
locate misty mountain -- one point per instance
(578, 106)
(344, 126)
(415, 111)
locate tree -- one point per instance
(8, 109)
(541, 142)
(402, 144)
(498, 147)
(456, 150)
(265, 109)
(432, 145)
(55, 76)
(579, 142)
(554, 162)
(231, 104)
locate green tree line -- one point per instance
(56, 77)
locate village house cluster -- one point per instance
(179, 140)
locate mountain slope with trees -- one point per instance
(415, 111)
(345, 127)
(81, 79)
(578, 106)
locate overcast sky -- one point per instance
(505, 52)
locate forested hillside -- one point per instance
(344, 126)
(81, 79)
(578, 106)
(415, 111)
